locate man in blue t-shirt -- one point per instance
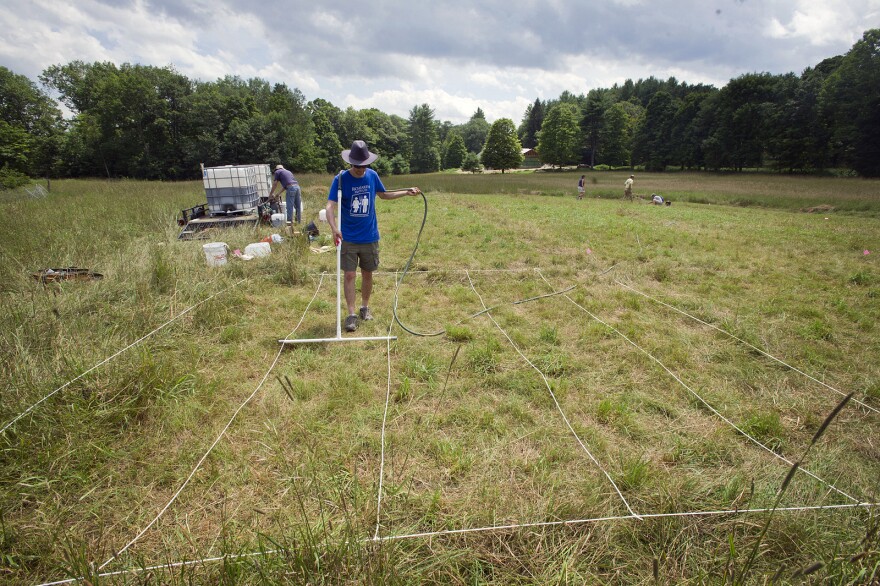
(288, 183)
(359, 233)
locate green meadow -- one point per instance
(618, 393)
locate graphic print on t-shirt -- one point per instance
(360, 200)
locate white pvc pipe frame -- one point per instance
(338, 337)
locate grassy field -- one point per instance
(600, 404)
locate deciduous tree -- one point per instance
(850, 100)
(560, 140)
(503, 149)
(474, 131)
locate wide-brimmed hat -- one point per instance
(358, 154)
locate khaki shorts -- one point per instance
(365, 255)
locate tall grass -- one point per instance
(472, 438)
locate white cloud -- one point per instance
(455, 57)
(484, 78)
(816, 23)
(776, 30)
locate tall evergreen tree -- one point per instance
(652, 144)
(532, 121)
(591, 124)
(743, 109)
(454, 151)
(687, 135)
(425, 156)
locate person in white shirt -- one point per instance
(657, 200)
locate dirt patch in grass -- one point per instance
(818, 209)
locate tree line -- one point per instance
(147, 122)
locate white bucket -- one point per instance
(284, 209)
(215, 253)
(278, 220)
(322, 215)
(258, 249)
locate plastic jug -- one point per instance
(258, 249)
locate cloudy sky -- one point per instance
(455, 55)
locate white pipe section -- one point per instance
(338, 256)
(336, 339)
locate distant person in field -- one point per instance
(581, 187)
(358, 234)
(288, 183)
(657, 200)
(628, 188)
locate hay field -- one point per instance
(619, 392)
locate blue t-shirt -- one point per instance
(358, 208)
(285, 177)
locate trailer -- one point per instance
(236, 195)
(195, 220)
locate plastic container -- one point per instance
(229, 176)
(264, 179)
(215, 253)
(258, 249)
(278, 220)
(231, 189)
(231, 200)
(322, 216)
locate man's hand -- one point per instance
(413, 191)
(337, 237)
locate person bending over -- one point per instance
(289, 184)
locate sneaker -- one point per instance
(351, 323)
(366, 314)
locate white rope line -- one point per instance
(642, 516)
(382, 440)
(168, 566)
(376, 537)
(216, 441)
(704, 402)
(428, 271)
(755, 348)
(558, 406)
(108, 359)
(269, 552)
